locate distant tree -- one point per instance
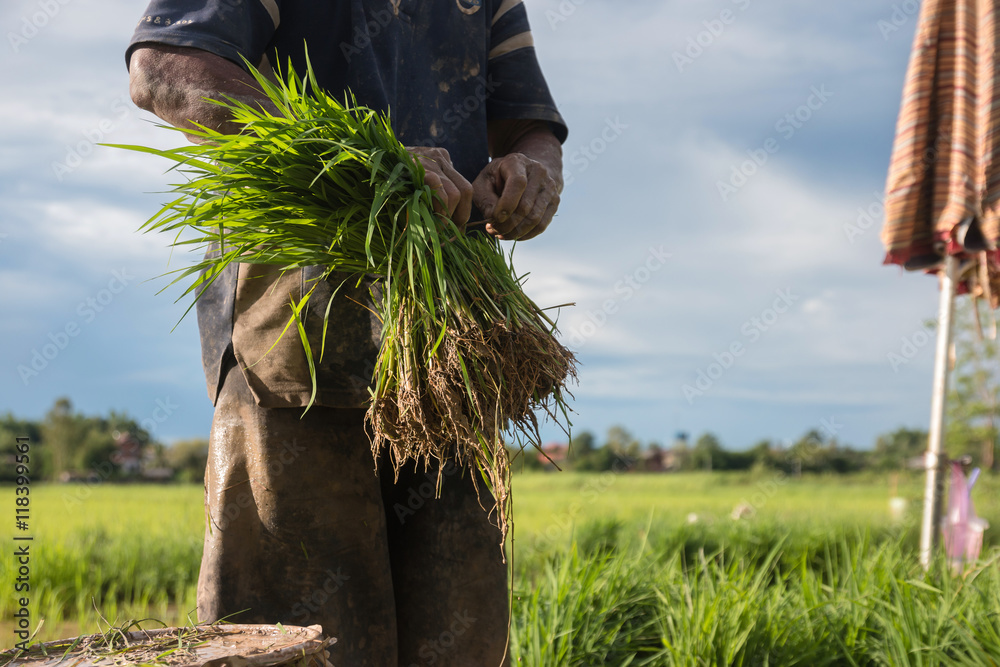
(619, 450)
(61, 431)
(707, 453)
(188, 459)
(622, 443)
(736, 460)
(525, 459)
(93, 452)
(815, 452)
(893, 450)
(582, 445)
(807, 454)
(764, 455)
(85, 445)
(121, 423)
(843, 460)
(12, 428)
(974, 395)
(601, 460)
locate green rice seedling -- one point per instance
(586, 610)
(853, 599)
(131, 551)
(466, 359)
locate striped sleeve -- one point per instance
(520, 90)
(233, 29)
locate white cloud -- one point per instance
(96, 234)
(27, 288)
(604, 51)
(638, 380)
(862, 399)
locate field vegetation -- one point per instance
(613, 568)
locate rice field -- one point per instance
(613, 569)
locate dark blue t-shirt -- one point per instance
(442, 68)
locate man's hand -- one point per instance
(518, 191)
(454, 191)
(517, 195)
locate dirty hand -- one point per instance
(517, 195)
(454, 191)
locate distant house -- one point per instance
(128, 454)
(680, 452)
(553, 454)
(135, 461)
(158, 474)
(657, 459)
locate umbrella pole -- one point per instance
(934, 490)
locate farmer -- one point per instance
(300, 530)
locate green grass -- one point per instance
(130, 551)
(607, 570)
(548, 500)
(868, 604)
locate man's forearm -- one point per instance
(173, 82)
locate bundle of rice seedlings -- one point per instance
(466, 356)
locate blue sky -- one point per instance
(718, 157)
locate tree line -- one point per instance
(813, 453)
(69, 446)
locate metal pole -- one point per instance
(934, 490)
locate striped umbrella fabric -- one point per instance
(943, 189)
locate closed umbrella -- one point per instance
(943, 188)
